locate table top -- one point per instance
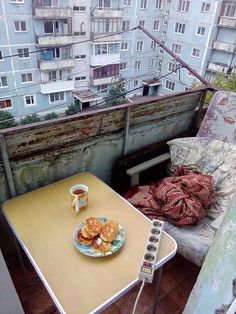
(44, 223)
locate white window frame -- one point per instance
(153, 44)
(31, 97)
(6, 108)
(137, 65)
(171, 85)
(17, 1)
(183, 6)
(139, 46)
(199, 30)
(176, 48)
(81, 78)
(172, 67)
(79, 8)
(27, 76)
(197, 53)
(206, 7)
(123, 66)
(180, 28)
(125, 25)
(156, 25)
(126, 46)
(23, 53)
(20, 24)
(144, 4)
(159, 4)
(59, 100)
(3, 77)
(142, 23)
(80, 57)
(135, 83)
(151, 63)
(54, 3)
(127, 3)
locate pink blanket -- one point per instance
(182, 199)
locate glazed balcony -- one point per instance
(54, 40)
(43, 12)
(56, 64)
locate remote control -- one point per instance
(151, 251)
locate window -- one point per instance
(80, 57)
(124, 46)
(123, 66)
(106, 71)
(80, 34)
(3, 81)
(137, 65)
(176, 48)
(228, 9)
(156, 25)
(6, 103)
(17, 1)
(104, 49)
(127, 3)
(143, 4)
(206, 6)
(165, 22)
(50, 3)
(51, 27)
(172, 67)
(187, 89)
(135, 83)
(196, 52)
(163, 33)
(139, 45)
(158, 4)
(167, 12)
(80, 9)
(104, 25)
(30, 100)
(183, 6)
(201, 30)
(153, 44)
(56, 97)
(80, 78)
(26, 77)
(179, 28)
(151, 63)
(23, 53)
(161, 51)
(104, 4)
(170, 85)
(20, 26)
(125, 25)
(55, 75)
(142, 23)
(1, 55)
(168, 1)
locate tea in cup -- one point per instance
(79, 197)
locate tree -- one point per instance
(30, 119)
(6, 120)
(51, 115)
(116, 94)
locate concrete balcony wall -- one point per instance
(56, 64)
(224, 46)
(48, 151)
(95, 37)
(227, 22)
(54, 40)
(52, 13)
(102, 81)
(217, 67)
(104, 59)
(107, 13)
(58, 86)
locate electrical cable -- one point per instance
(138, 296)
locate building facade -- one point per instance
(57, 52)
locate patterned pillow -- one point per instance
(212, 157)
(219, 121)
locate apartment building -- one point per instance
(56, 52)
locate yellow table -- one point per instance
(43, 222)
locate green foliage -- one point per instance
(116, 94)
(73, 108)
(6, 120)
(51, 115)
(31, 118)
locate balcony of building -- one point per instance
(45, 12)
(227, 47)
(229, 22)
(46, 40)
(55, 64)
(104, 75)
(64, 85)
(106, 53)
(102, 27)
(218, 67)
(106, 13)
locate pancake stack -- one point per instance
(97, 234)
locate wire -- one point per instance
(138, 296)
(74, 43)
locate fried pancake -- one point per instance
(93, 226)
(109, 231)
(100, 245)
(83, 240)
(85, 233)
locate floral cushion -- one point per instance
(220, 119)
(212, 157)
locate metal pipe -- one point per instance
(175, 56)
(7, 167)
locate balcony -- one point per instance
(224, 47)
(102, 80)
(112, 38)
(56, 64)
(106, 12)
(217, 67)
(57, 86)
(52, 12)
(104, 59)
(54, 40)
(227, 22)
